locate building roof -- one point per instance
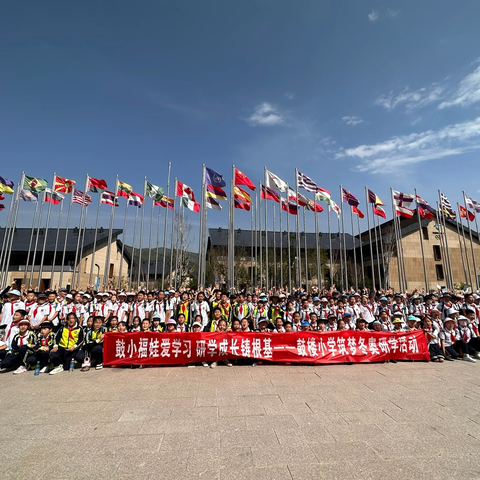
(21, 239)
(243, 238)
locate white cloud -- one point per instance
(374, 16)
(290, 96)
(468, 91)
(411, 99)
(352, 120)
(265, 115)
(397, 152)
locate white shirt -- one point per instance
(201, 309)
(161, 309)
(38, 313)
(9, 309)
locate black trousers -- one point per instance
(460, 345)
(14, 360)
(40, 356)
(95, 352)
(63, 356)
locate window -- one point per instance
(437, 254)
(439, 270)
(110, 272)
(425, 233)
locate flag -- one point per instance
(402, 199)
(424, 209)
(289, 207)
(269, 194)
(96, 186)
(314, 207)
(239, 204)
(124, 189)
(188, 197)
(272, 181)
(213, 178)
(109, 198)
(81, 198)
(323, 195)
(241, 195)
(358, 212)
(6, 185)
(28, 196)
(135, 199)
(471, 203)
(212, 203)
(350, 198)
(2, 207)
(215, 192)
(379, 211)
(154, 192)
(53, 197)
(306, 183)
(404, 211)
(335, 208)
(63, 185)
(373, 198)
(190, 204)
(464, 213)
(241, 179)
(34, 184)
(446, 208)
(166, 202)
(301, 200)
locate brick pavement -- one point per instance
(379, 421)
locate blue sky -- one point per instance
(377, 93)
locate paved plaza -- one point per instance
(377, 421)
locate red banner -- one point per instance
(152, 348)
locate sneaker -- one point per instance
(213, 364)
(228, 363)
(205, 364)
(20, 369)
(99, 366)
(477, 356)
(56, 370)
(86, 362)
(468, 358)
(44, 370)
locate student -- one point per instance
(236, 327)
(14, 303)
(156, 327)
(288, 327)
(94, 345)
(3, 346)
(262, 325)
(221, 327)
(279, 325)
(305, 326)
(331, 326)
(112, 323)
(212, 324)
(171, 325)
(341, 325)
(136, 324)
(378, 326)
(468, 335)
(145, 327)
(398, 323)
(22, 346)
(88, 325)
(197, 327)
(122, 327)
(181, 325)
(433, 340)
(412, 323)
(201, 308)
(452, 342)
(41, 350)
(12, 328)
(321, 325)
(245, 326)
(68, 345)
(361, 324)
(39, 312)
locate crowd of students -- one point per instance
(52, 332)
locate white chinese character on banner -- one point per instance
(341, 346)
(311, 347)
(322, 349)
(256, 348)
(332, 345)
(212, 347)
(176, 347)
(361, 345)
(403, 344)
(383, 344)
(352, 345)
(412, 344)
(165, 346)
(120, 348)
(132, 348)
(188, 348)
(267, 348)
(372, 346)
(153, 348)
(234, 347)
(201, 348)
(245, 347)
(223, 347)
(393, 342)
(143, 348)
(301, 347)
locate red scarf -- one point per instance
(70, 336)
(453, 337)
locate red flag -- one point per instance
(289, 207)
(379, 211)
(63, 185)
(464, 212)
(314, 207)
(96, 186)
(241, 179)
(244, 206)
(404, 211)
(269, 194)
(358, 212)
(425, 213)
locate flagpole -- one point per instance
(80, 226)
(155, 285)
(166, 226)
(66, 236)
(37, 234)
(251, 246)
(256, 282)
(400, 240)
(200, 233)
(92, 262)
(344, 252)
(123, 245)
(297, 224)
(305, 244)
(462, 252)
(317, 243)
(6, 239)
(442, 245)
(471, 244)
(140, 250)
(274, 250)
(330, 246)
(397, 244)
(179, 243)
(361, 250)
(232, 237)
(476, 226)
(175, 204)
(259, 214)
(380, 237)
(370, 241)
(289, 252)
(150, 247)
(380, 282)
(354, 250)
(110, 234)
(204, 244)
(133, 248)
(446, 241)
(29, 244)
(266, 232)
(465, 249)
(56, 239)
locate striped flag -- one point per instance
(290, 207)
(153, 191)
(188, 197)
(241, 195)
(472, 204)
(53, 197)
(6, 185)
(81, 198)
(239, 204)
(63, 185)
(135, 199)
(109, 198)
(269, 194)
(301, 200)
(306, 182)
(404, 211)
(96, 185)
(350, 198)
(446, 208)
(28, 196)
(212, 203)
(215, 192)
(166, 202)
(373, 198)
(379, 211)
(323, 195)
(124, 189)
(424, 209)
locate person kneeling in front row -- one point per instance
(94, 345)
